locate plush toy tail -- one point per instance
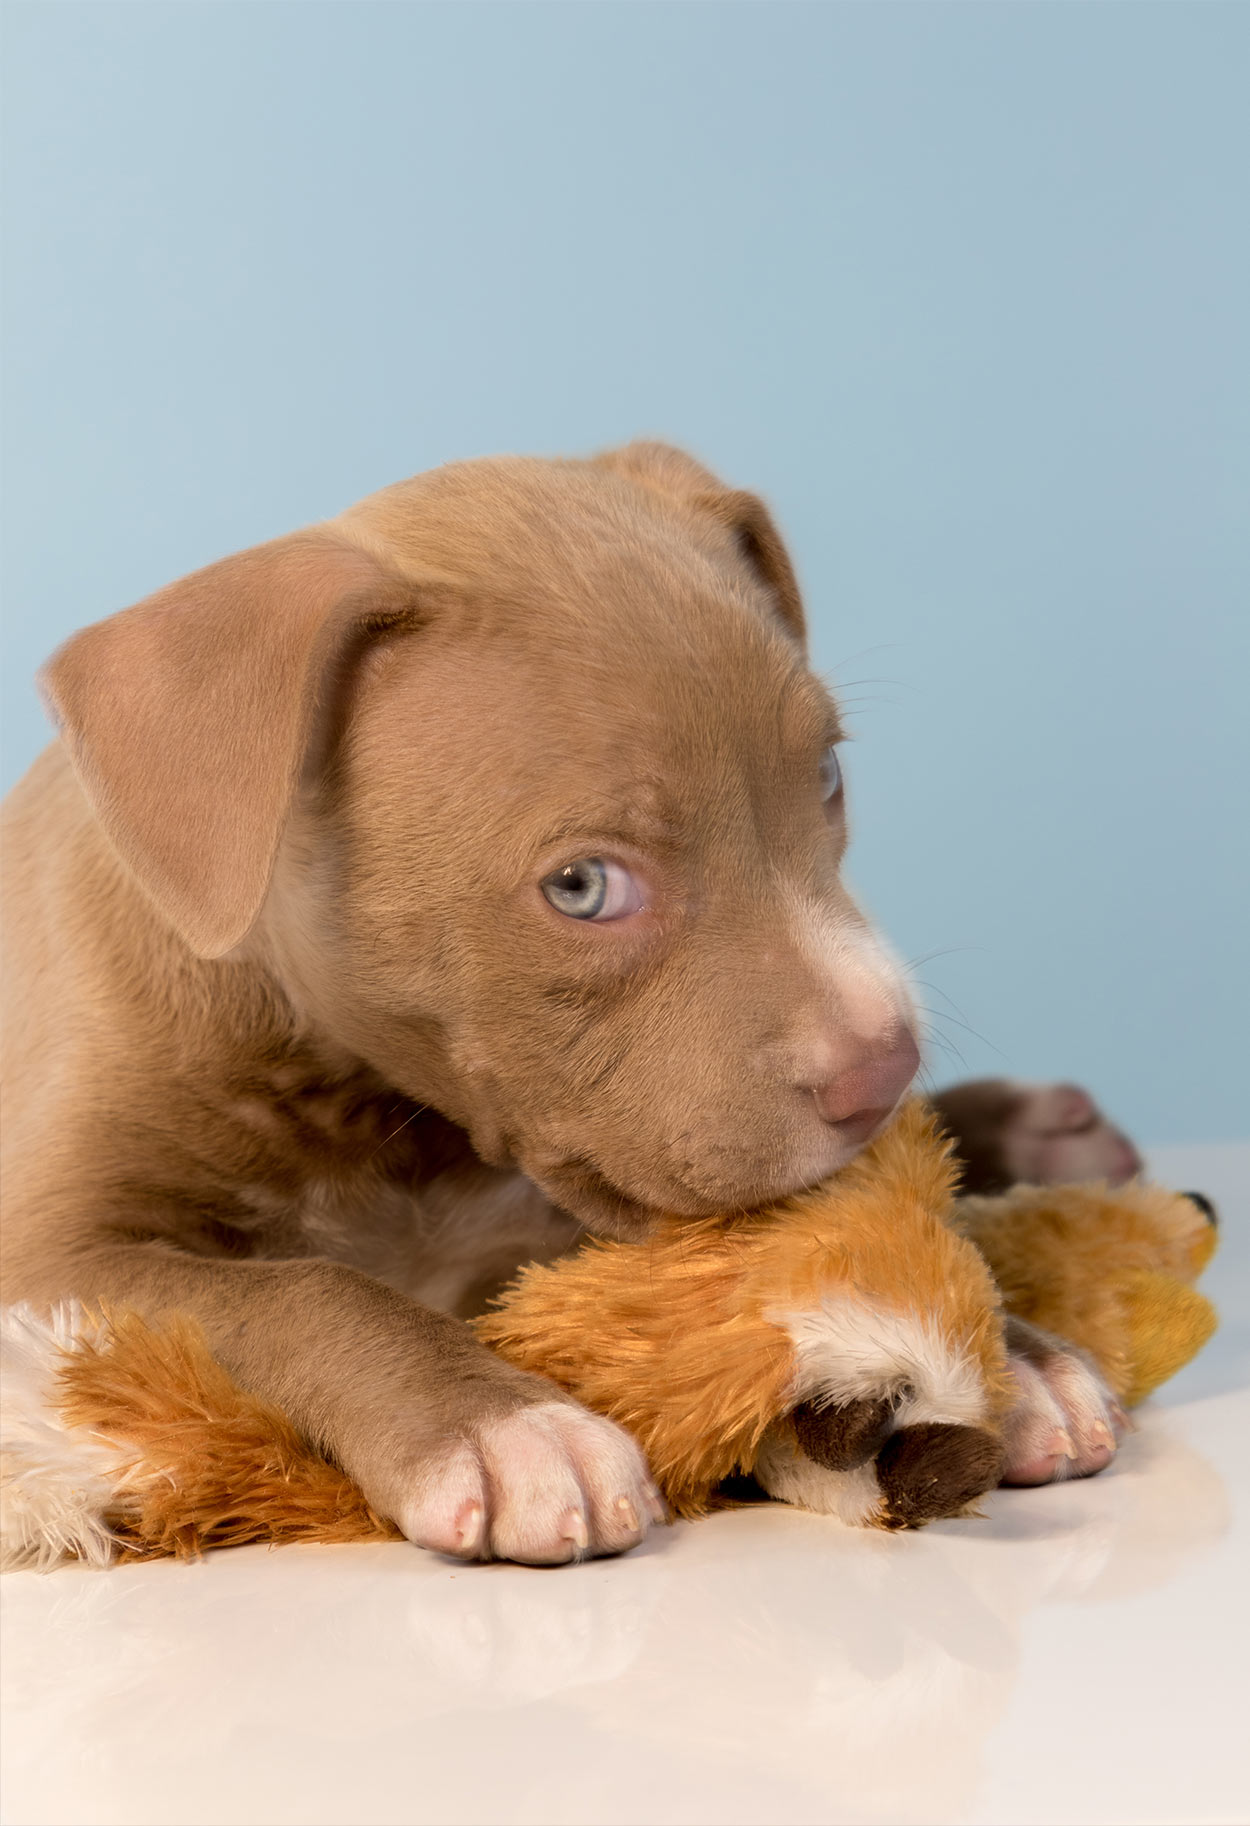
(56, 1482)
(119, 1441)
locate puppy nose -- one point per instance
(858, 1100)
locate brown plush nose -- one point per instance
(857, 1101)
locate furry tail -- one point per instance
(124, 1441)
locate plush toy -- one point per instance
(1111, 1271)
(845, 1338)
(844, 1346)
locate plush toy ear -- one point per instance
(189, 717)
(744, 516)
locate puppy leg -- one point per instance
(1066, 1422)
(467, 1454)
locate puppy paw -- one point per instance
(1008, 1134)
(1065, 1421)
(543, 1485)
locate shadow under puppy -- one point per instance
(404, 897)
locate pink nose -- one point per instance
(858, 1100)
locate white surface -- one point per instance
(1079, 1656)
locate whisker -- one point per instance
(931, 1038)
(941, 1014)
(419, 1111)
(914, 963)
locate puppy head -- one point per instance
(517, 777)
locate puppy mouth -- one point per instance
(591, 1196)
(597, 1203)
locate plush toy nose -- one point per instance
(1204, 1204)
(857, 1100)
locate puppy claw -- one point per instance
(543, 1485)
(657, 1508)
(1066, 1421)
(470, 1530)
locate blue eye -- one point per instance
(592, 888)
(830, 774)
(579, 889)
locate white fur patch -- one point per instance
(56, 1481)
(790, 1476)
(857, 965)
(849, 1347)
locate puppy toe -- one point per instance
(538, 1510)
(450, 1513)
(542, 1485)
(623, 1501)
(564, 1484)
(1065, 1422)
(1094, 1418)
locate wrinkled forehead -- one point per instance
(686, 681)
(593, 640)
(657, 728)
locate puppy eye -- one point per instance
(830, 774)
(593, 888)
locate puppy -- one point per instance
(407, 895)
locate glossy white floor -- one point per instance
(1079, 1656)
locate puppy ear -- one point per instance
(743, 516)
(190, 716)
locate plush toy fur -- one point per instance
(708, 1339)
(124, 1441)
(1108, 1270)
(844, 1345)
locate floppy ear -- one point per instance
(189, 716)
(744, 516)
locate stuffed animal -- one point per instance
(844, 1346)
(1110, 1271)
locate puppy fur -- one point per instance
(295, 1044)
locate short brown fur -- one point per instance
(293, 1043)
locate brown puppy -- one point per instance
(406, 894)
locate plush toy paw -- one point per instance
(1065, 1421)
(844, 1346)
(857, 1462)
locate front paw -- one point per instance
(545, 1484)
(1065, 1421)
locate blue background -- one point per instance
(963, 289)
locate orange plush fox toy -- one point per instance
(845, 1346)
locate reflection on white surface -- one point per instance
(1074, 1656)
